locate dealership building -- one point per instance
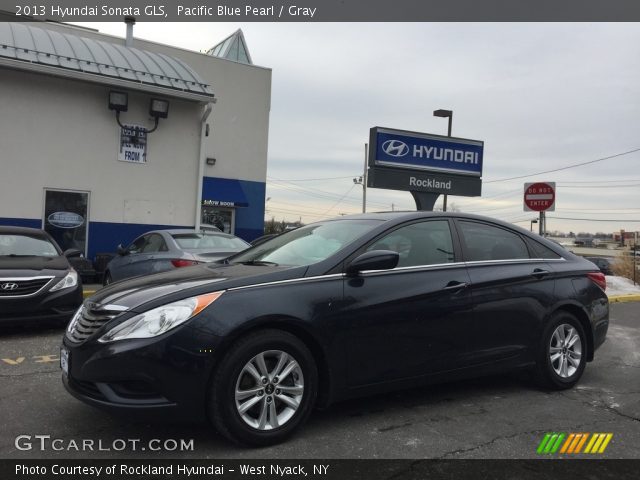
(104, 138)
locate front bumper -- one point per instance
(44, 307)
(168, 373)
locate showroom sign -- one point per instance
(133, 144)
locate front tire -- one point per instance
(107, 278)
(562, 355)
(264, 388)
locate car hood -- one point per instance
(146, 292)
(29, 266)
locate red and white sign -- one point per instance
(540, 197)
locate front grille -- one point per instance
(91, 319)
(22, 287)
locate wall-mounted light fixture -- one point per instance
(211, 161)
(119, 101)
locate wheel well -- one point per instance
(324, 376)
(584, 321)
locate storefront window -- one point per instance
(221, 218)
(66, 218)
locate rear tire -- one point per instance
(264, 388)
(562, 353)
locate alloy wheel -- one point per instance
(269, 390)
(565, 350)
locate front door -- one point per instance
(413, 320)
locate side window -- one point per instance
(541, 251)
(154, 244)
(486, 242)
(137, 245)
(425, 243)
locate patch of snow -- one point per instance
(621, 286)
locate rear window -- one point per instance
(487, 242)
(16, 245)
(203, 241)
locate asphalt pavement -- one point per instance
(497, 417)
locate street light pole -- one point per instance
(445, 114)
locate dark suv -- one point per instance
(36, 281)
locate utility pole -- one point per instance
(364, 179)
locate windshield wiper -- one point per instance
(259, 262)
(13, 255)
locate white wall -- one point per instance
(60, 134)
(240, 118)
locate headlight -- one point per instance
(70, 280)
(160, 320)
(74, 319)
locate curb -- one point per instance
(630, 297)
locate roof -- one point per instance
(234, 47)
(15, 230)
(45, 51)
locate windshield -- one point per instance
(307, 245)
(203, 241)
(15, 245)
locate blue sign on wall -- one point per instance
(421, 151)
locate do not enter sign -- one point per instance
(540, 197)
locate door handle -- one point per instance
(540, 273)
(454, 286)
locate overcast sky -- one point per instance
(541, 96)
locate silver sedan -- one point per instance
(161, 250)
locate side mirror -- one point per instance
(72, 252)
(122, 251)
(374, 260)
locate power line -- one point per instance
(600, 186)
(597, 219)
(311, 179)
(567, 167)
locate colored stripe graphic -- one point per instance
(572, 443)
(543, 443)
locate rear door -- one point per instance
(412, 320)
(511, 290)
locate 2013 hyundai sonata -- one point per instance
(335, 310)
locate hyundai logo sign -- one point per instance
(8, 286)
(425, 152)
(395, 148)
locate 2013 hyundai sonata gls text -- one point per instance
(335, 310)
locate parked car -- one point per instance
(604, 264)
(37, 284)
(161, 250)
(334, 310)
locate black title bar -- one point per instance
(322, 10)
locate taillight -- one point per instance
(599, 279)
(178, 262)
